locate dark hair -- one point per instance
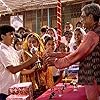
(47, 38)
(5, 29)
(78, 23)
(55, 28)
(16, 40)
(43, 29)
(67, 32)
(20, 28)
(50, 29)
(24, 35)
(78, 29)
(93, 9)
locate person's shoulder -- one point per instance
(91, 35)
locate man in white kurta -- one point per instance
(8, 56)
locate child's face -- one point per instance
(68, 37)
(18, 45)
(67, 27)
(62, 48)
(51, 33)
(78, 36)
(50, 45)
(8, 38)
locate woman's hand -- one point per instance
(49, 61)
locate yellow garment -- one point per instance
(40, 41)
(44, 78)
(29, 77)
(49, 77)
(38, 74)
(25, 45)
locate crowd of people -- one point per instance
(42, 59)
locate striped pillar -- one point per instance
(59, 26)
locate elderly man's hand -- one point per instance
(56, 55)
(50, 58)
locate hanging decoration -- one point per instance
(59, 26)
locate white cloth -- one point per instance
(8, 56)
(56, 71)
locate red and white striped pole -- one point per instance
(59, 26)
